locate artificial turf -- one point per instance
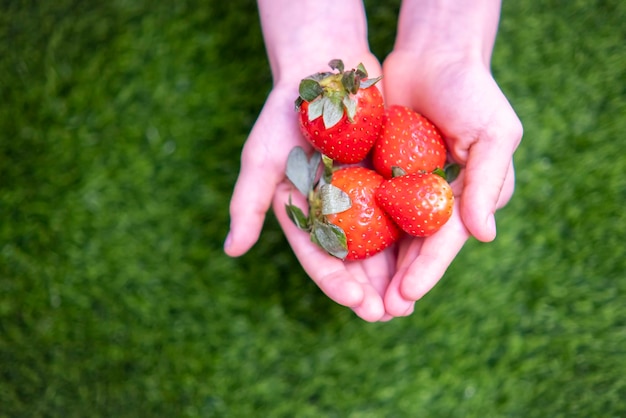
(121, 125)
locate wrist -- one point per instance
(291, 68)
(302, 36)
(458, 30)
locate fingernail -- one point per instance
(228, 241)
(491, 225)
(410, 310)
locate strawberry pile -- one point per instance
(377, 173)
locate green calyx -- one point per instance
(330, 94)
(449, 173)
(323, 199)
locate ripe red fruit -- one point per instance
(420, 203)
(368, 228)
(343, 217)
(408, 140)
(341, 113)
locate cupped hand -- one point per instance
(482, 132)
(359, 285)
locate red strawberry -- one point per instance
(344, 218)
(420, 203)
(341, 113)
(408, 140)
(367, 227)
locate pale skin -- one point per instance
(439, 67)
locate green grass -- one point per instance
(120, 131)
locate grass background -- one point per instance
(121, 124)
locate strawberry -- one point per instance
(408, 140)
(344, 218)
(341, 113)
(367, 227)
(420, 203)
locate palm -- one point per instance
(481, 131)
(478, 123)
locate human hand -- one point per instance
(481, 131)
(359, 285)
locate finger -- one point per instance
(484, 180)
(374, 273)
(262, 168)
(250, 201)
(435, 256)
(371, 308)
(329, 273)
(507, 188)
(409, 247)
(488, 167)
(394, 95)
(424, 265)
(395, 304)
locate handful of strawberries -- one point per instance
(356, 211)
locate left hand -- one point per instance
(481, 131)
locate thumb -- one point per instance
(251, 199)
(262, 169)
(489, 181)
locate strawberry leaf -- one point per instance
(336, 64)
(302, 171)
(452, 171)
(350, 104)
(297, 170)
(350, 82)
(297, 216)
(331, 238)
(314, 167)
(316, 107)
(361, 71)
(310, 89)
(334, 200)
(333, 111)
(298, 102)
(370, 82)
(328, 168)
(397, 171)
(440, 172)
